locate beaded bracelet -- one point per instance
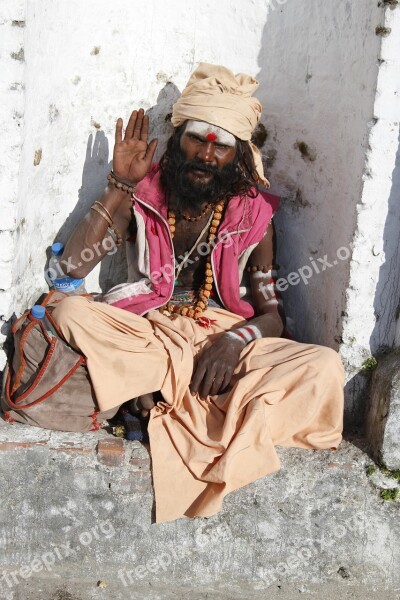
(120, 183)
(262, 268)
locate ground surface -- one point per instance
(76, 523)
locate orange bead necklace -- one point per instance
(196, 309)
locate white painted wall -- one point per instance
(318, 76)
(12, 68)
(373, 292)
(86, 63)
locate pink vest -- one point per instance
(151, 256)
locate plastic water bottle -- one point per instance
(55, 275)
(39, 312)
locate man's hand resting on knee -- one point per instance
(215, 366)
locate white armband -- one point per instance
(246, 334)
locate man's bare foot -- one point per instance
(142, 405)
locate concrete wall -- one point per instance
(12, 23)
(71, 68)
(318, 77)
(373, 294)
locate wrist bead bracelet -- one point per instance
(120, 183)
(262, 268)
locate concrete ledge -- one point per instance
(76, 510)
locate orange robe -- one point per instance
(282, 393)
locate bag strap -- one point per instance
(51, 299)
(8, 394)
(20, 348)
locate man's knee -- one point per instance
(70, 309)
(329, 361)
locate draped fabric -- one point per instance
(282, 393)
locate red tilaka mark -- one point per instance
(211, 137)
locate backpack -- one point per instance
(46, 382)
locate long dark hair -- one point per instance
(243, 184)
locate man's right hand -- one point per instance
(133, 155)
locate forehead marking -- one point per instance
(206, 129)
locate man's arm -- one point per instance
(268, 319)
(131, 161)
(216, 363)
(91, 239)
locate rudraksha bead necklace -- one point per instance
(196, 310)
(200, 216)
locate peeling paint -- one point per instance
(270, 158)
(54, 113)
(17, 86)
(260, 135)
(390, 3)
(38, 157)
(20, 55)
(306, 152)
(383, 31)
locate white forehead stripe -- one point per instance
(202, 128)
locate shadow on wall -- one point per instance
(275, 56)
(296, 87)
(307, 89)
(387, 294)
(97, 165)
(386, 306)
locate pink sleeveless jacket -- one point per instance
(151, 256)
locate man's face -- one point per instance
(203, 167)
(209, 148)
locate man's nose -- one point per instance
(207, 152)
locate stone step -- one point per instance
(77, 509)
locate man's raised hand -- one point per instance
(133, 155)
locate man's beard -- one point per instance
(189, 194)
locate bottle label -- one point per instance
(67, 284)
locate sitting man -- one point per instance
(198, 321)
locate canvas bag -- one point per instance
(46, 384)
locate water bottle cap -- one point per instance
(57, 248)
(38, 311)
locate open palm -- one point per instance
(133, 155)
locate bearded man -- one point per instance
(198, 322)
